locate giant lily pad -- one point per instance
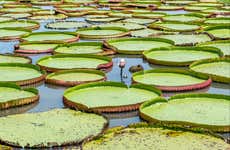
(36, 47)
(49, 17)
(74, 61)
(80, 48)
(136, 45)
(149, 15)
(126, 25)
(194, 110)
(75, 77)
(223, 45)
(207, 4)
(180, 56)
(186, 39)
(22, 74)
(217, 68)
(108, 96)
(217, 21)
(169, 7)
(219, 32)
(139, 20)
(51, 37)
(176, 27)
(142, 136)
(64, 25)
(99, 19)
(20, 24)
(146, 32)
(102, 32)
(183, 18)
(11, 34)
(172, 79)
(9, 58)
(12, 95)
(52, 128)
(19, 10)
(80, 1)
(17, 15)
(5, 18)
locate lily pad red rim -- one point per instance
(7, 38)
(192, 125)
(197, 86)
(21, 101)
(76, 38)
(17, 48)
(99, 67)
(74, 83)
(29, 81)
(106, 109)
(174, 63)
(216, 78)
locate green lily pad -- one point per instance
(22, 74)
(108, 96)
(172, 79)
(216, 11)
(12, 95)
(9, 58)
(180, 56)
(217, 68)
(196, 8)
(75, 9)
(137, 45)
(183, 18)
(207, 4)
(75, 77)
(17, 15)
(44, 12)
(126, 25)
(223, 45)
(180, 2)
(20, 24)
(10, 34)
(64, 25)
(102, 32)
(19, 10)
(146, 32)
(143, 136)
(169, 7)
(186, 39)
(74, 61)
(79, 1)
(217, 21)
(5, 18)
(119, 14)
(203, 112)
(51, 37)
(139, 20)
(49, 17)
(80, 48)
(103, 19)
(219, 32)
(176, 27)
(61, 121)
(36, 47)
(149, 15)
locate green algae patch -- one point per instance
(102, 32)
(75, 77)
(217, 68)
(172, 79)
(223, 45)
(12, 95)
(137, 45)
(11, 34)
(186, 39)
(51, 37)
(36, 47)
(26, 24)
(56, 127)
(80, 48)
(65, 25)
(21, 74)
(218, 32)
(147, 137)
(174, 26)
(180, 56)
(74, 61)
(208, 111)
(108, 96)
(9, 58)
